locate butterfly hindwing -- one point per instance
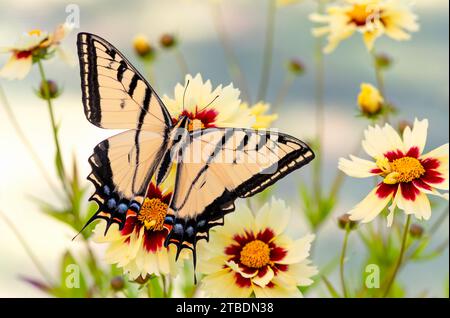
(233, 163)
(121, 172)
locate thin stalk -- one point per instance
(320, 109)
(24, 139)
(27, 249)
(437, 224)
(400, 257)
(380, 82)
(342, 261)
(283, 91)
(234, 66)
(59, 161)
(268, 50)
(179, 56)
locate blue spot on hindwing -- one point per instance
(111, 204)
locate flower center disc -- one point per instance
(255, 254)
(359, 14)
(408, 169)
(195, 124)
(152, 214)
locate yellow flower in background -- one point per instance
(259, 110)
(252, 255)
(142, 46)
(370, 101)
(408, 173)
(139, 247)
(34, 44)
(371, 18)
(208, 107)
(283, 3)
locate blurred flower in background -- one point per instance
(139, 247)
(371, 18)
(408, 174)
(36, 44)
(260, 111)
(251, 255)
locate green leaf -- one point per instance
(154, 287)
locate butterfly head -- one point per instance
(183, 122)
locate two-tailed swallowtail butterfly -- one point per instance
(117, 96)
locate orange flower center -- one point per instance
(152, 214)
(36, 32)
(255, 254)
(195, 124)
(360, 14)
(407, 169)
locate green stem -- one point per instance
(234, 66)
(268, 51)
(27, 249)
(342, 261)
(380, 83)
(400, 257)
(284, 90)
(59, 161)
(320, 109)
(181, 62)
(24, 139)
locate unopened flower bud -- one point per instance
(168, 41)
(383, 60)
(416, 231)
(403, 124)
(370, 101)
(142, 46)
(141, 280)
(117, 283)
(296, 67)
(52, 88)
(344, 222)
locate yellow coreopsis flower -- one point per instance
(138, 248)
(371, 18)
(408, 173)
(207, 107)
(259, 110)
(32, 45)
(252, 255)
(370, 101)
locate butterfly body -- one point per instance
(214, 166)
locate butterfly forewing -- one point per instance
(115, 95)
(218, 166)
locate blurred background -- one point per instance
(417, 84)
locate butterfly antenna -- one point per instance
(184, 93)
(209, 104)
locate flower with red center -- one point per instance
(408, 173)
(207, 107)
(30, 46)
(252, 256)
(139, 247)
(371, 18)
